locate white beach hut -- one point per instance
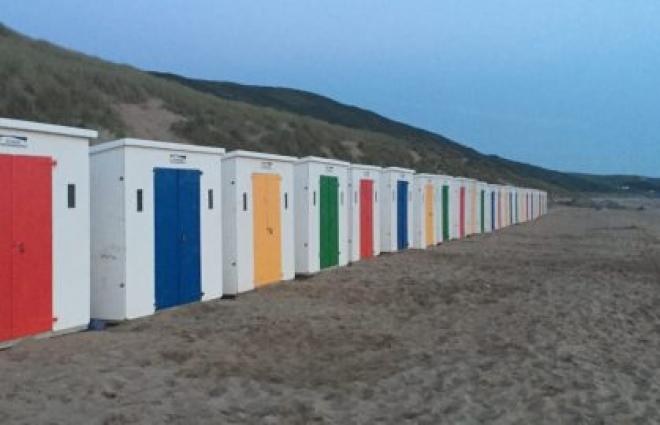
(446, 203)
(364, 211)
(258, 221)
(321, 214)
(425, 213)
(396, 208)
(44, 229)
(156, 226)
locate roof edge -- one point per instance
(154, 144)
(38, 127)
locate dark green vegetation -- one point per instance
(43, 82)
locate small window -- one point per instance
(314, 198)
(244, 201)
(376, 196)
(356, 197)
(139, 200)
(210, 199)
(286, 201)
(342, 198)
(71, 195)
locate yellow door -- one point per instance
(429, 224)
(267, 229)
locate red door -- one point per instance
(5, 247)
(30, 244)
(366, 218)
(462, 213)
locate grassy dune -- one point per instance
(44, 82)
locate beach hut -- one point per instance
(437, 209)
(485, 209)
(44, 229)
(512, 205)
(364, 211)
(474, 206)
(156, 227)
(535, 204)
(321, 214)
(505, 206)
(396, 208)
(457, 207)
(460, 194)
(500, 206)
(425, 198)
(467, 200)
(518, 205)
(445, 231)
(492, 190)
(258, 223)
(525, 195)
(544, 203)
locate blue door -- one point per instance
(177, 237)
(402, 214)
(492, 210)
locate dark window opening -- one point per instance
(314, 200)
(244, 201)
(71, 195)
(210, 199)
(286, 201)
(139, 200)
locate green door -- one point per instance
(445, 213)
(483, 211)
(329, 221)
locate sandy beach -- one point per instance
(555, 321)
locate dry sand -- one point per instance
(553, 322)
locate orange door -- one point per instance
(428, 207)
(267, 229)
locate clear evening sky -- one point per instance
(572, 85)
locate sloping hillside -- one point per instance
(326, 109)
(43, 82)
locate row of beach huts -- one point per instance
(125, 228)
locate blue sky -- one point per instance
(572, 85)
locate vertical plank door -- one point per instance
(329, 221)
(267, 228)
(366, 218)
(6, 247)
(402, 214)
(167, 237)
(32, 254)
(189, 205)
(428, 215)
